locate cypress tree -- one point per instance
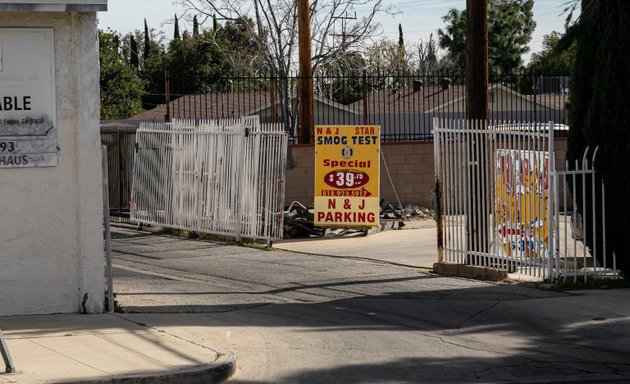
(195, 26)
(401, 49)
(147, 41)
(134, 61)
(176, 35)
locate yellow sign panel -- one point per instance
(347, 175)
(522, 196)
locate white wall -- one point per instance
(51, 242)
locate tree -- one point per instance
(195, 26)
(121, 89)
(274, 30)
(176, 29)
(134, 58)
(150, 68)
(554, 59)
(147, 41)
(342, 79)
(510, 27)
(208, 60)
(401, 49)
(598, 113)
(275, 27)
(386, 55)
(453, 38)
(154, 44)
(427, 60)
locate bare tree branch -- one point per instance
(333, 31)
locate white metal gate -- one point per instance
(504, 204)
(572, 258)
(221, 177)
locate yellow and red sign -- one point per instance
(521, 206)
(347, 175)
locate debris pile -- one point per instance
(390, 210)
(299, 220)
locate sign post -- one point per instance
(347, 171)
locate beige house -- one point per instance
(505, 104)
(270, 107)
(406, 114)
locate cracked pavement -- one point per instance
(298, 318)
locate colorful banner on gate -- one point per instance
(347, 176)
(522, 196)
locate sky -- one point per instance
(419, 18)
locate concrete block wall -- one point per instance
(411, 168)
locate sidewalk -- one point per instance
(106, 349)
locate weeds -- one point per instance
(568, 284)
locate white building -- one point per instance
(51, 242)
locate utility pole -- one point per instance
(477, 109)
(477, 59)
(306, 131)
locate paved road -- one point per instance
(297, 318)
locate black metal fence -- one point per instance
(119, 138)
(404, 105)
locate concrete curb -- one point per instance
(219, 371)
(469, 271)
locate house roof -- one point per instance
(208, 106)
(402, 100)
(222, 105)
(547, 101)
(552, 101)
(434, 98)
(406, 100)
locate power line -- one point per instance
(416, 4)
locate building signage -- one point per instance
(28, 130)
(347, 175)
(54, 5)
(522, 196)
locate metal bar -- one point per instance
(552, 165)
(575, 220)
(566, 247)
(108, 234)
(459, 210)
(556, 249)
(603, 208)
(484, 171)
(6, 356)
(584, 231)
(120, 172)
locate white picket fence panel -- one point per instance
(505, 205)
(222, 177)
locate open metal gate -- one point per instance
(504, 204)
(221, 177)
